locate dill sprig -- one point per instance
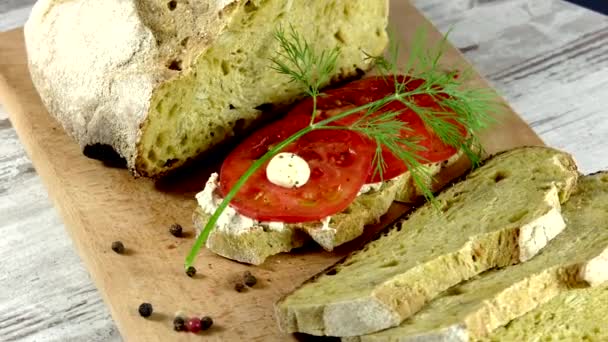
(299, 61)
(469, 108)
(460, 106)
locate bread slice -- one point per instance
(159, 82)
(255, 243)
(575, 315)
(501, 214)
(577, 257)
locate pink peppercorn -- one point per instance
(193, 325)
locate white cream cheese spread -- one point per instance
(231, 221)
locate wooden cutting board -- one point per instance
(101, 204)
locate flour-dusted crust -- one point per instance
(96, 64)
(158, 83)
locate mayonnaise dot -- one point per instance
(288, 170)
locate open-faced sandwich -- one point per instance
(323, 185)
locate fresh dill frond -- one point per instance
(386, 130)
(297, 59)
(461, 106)
(384, 66)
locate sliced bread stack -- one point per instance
(503, 213)
(579, 314)
(576, 258)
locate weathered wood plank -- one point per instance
(45, 292)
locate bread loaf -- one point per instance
(159, 82)
(502, 213)
(576, 258)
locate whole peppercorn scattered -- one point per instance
(118, 247)
(250, 279)
(239, 287)
(179, 324)
(193, 325)
(206, 322)
(191, 271)
(176, 230)
(145, 309)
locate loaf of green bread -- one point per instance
(159, 82)
(576, 258)
(503, 213)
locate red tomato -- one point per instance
(340, 162)
(364, 91)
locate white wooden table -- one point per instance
(547, 57)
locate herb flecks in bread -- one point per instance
(162, 84)
(477, 227)
(454, 121)
(577, 257)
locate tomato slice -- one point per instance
(364, 91)
(340, 162)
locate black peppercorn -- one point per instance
(191, 271)
(118, 247)
(176, 230)
(206, 322)
(145, 309)
(179, 324)
(250, 279)
(239, 287)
